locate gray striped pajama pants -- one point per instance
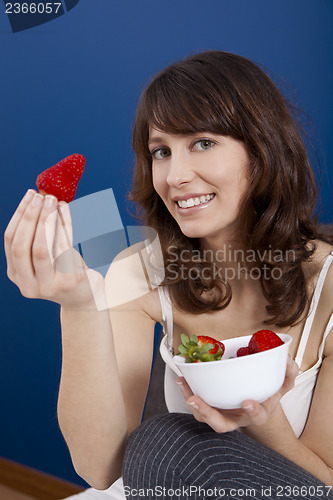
(173, 456)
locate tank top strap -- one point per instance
(167, 315)
(313, 309)
(328, 329)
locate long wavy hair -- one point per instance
(227, 94)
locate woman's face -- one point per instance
(201, 178)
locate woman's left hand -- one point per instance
(251, 412)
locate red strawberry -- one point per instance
(203, 339)
(242, 351)
(62, 179)
(264, 340)
(201, 348)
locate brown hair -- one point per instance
(227, 94)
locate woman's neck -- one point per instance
(232, 260)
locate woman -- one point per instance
(221, 174)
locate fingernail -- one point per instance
(180, 385)
(29, 194)
(50, 201)
(61, 207)
(37, 200)
(248, 407)
(193, 404)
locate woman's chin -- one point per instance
(194, 233)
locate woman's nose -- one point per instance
(180, 171)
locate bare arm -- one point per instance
(91, 409)
(100, 404)
(93, 400)
(313, 450)
(278, 435)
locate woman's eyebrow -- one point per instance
(155, 140)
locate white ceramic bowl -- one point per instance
(228, 382)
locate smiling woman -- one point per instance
(217, 125)
(217, 173)
(222, 176)
(220, 163)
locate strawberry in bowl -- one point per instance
(260, 341)
(239, 374)
(200, 349)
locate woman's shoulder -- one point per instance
(313, 267)
(323, 250)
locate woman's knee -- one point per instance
(166, 450)
(156, 432)
(151, 443)
(176, 449)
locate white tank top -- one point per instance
(296, 403)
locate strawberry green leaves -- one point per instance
(201, 348)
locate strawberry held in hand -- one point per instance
(200, 348)
(62, 179)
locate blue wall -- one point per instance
(71, 85)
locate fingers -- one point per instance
(191, 401)
(257, 413)
(22, 239)
(64, 233)
(67, 259)
(42, 248)
(220, 421)
(29, 242)
(11, 230)
(13, 223)
(184, 387)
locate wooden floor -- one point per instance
(10, 494)
(18, 482)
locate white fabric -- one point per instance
(115, 492)
(313, 308)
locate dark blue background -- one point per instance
(71, 85)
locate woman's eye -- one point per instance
(160, 153)
(203, 145)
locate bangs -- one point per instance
(178, 102)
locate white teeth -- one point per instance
(191, 202)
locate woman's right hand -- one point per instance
(41, 260)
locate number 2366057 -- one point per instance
(32, 8)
